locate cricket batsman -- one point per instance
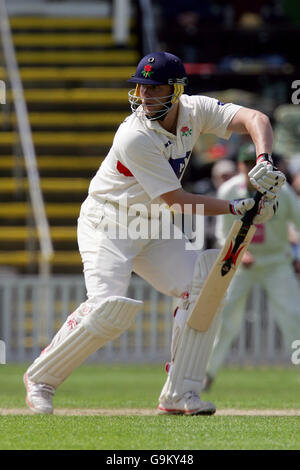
(144, 166)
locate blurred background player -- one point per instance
(222, 171)
(268, 261)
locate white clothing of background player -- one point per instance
(268, 261)
(145, 164)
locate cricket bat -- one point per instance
(223, 270)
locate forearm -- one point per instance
(257, 125)
(196, 203)
(260, 131)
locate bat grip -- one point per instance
(249, 216)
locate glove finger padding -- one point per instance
(241, 206)
(260, 169)
(266, 209)
(267, 182)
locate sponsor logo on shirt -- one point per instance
(180, 164)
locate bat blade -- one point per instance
(218, 280)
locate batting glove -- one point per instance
(266, 210)
(265, 179)
(239, 207)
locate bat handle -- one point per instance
(249, 216)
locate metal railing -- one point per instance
(26, 140)
(149, 338)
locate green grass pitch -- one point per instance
(114, 387)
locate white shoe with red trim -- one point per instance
(189, 404)
(39, 396)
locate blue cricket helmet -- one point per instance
(159, 68)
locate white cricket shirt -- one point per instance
(145, 161)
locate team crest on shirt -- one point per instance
(185, 131)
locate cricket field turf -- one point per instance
(113, 407)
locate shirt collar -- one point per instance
(183, 118)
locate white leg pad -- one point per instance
(191, 349)
(104, 323)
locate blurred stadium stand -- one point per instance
(74, 68)
(74, 78)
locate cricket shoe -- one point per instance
(189, 404)
(39, 396)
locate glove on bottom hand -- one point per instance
(266, 209)
(239, 207)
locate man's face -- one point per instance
(153, 96)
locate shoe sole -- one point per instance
(208, 412)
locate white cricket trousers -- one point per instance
(283, 293)
(168, 264)
(108, 264)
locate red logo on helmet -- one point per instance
(147, 72)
